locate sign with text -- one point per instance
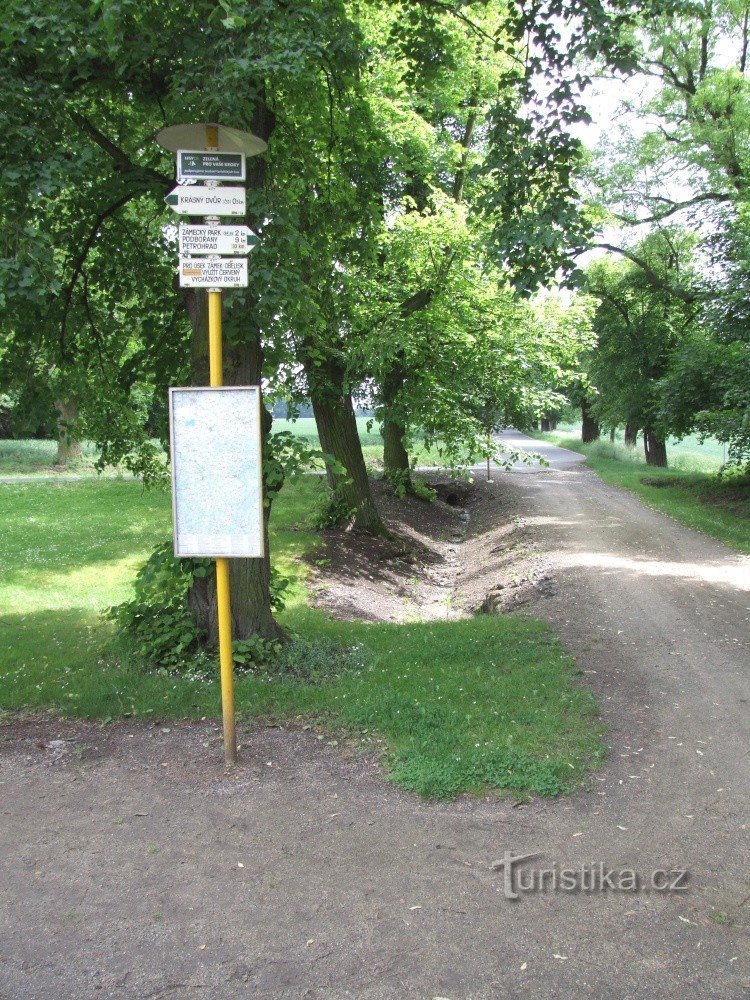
(204, 200)
(210, 165)
(213, 272)
(237, 240)
(217, 499)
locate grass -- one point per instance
(369, 435)
(34, 457)
(451, 707)
(37, 458)
(688, 491)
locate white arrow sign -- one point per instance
(205, 272)
(216, 239)
(200, 200)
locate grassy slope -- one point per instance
(454, 706)
(688, 491)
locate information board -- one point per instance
(217, 496)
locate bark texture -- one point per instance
(590, 429)
(68, 447)
(655, 448)
(395, 455)
(337, 429)
(631, 435)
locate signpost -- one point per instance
(216, 480)
(213, 272)
(216, 239)
(205, 200)
(202, 165)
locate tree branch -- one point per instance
(677, 206)
(80, 260)
(119, 157)
(653, 277)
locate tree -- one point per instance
(691, 138)
(639, 328)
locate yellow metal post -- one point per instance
(223, 601)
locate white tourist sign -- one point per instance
(203, 200)
(216, 239)
(208, 272)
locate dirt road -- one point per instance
(140, 872)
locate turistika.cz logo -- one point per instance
(593, 876)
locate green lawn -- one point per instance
(689, 490)
(452, 706)
(35, 458)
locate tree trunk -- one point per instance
(395, 455)
(249, 579)
(589, 427)
(655, 448)
(337, 429)
(612, 433)
(548, 423)
(68, 447)
(631, 435)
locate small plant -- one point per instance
(422, 489)
(156, 623)
(254, 652)
(159, 629)
(333, 512)
(313, 661)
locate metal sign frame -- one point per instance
(230, 552)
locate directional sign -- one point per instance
(200, 200)
(219, 272)
(216, 239)
(210, 165)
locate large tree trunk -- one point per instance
(337, 429)
(68, 447)
(589, 427)
(395, 455)
(249, 579)
(631, 435)
(655, 448)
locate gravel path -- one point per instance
(138, 871)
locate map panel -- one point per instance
(216, 472)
